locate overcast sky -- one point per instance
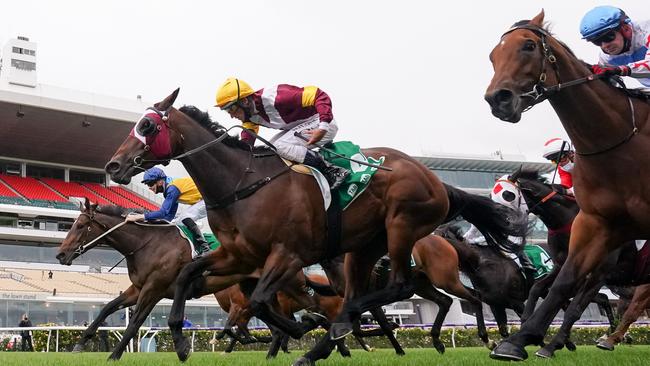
(405, 74)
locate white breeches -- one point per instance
(293, 148)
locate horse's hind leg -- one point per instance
(640, 302)
(427, 291)
(126, 299)
(502, 320)
(603, 302)
(382, 320)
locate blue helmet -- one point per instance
(600, 20)
(153, 174)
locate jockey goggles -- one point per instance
(605, 38)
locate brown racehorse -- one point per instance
(612, 141)
(268, 217)
(640, 302)
(154, 257)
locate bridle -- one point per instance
(84, 247)
(540, 92)
(162, 128)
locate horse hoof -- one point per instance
(78, 348)
(507, 351)
(439, 346)
(183, 349)
(570, 346)
(491, 345)
(113, 357)
(340, 330)
(605, 345)
(303, 361)
(544, 353)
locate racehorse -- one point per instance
(497, 280)
(640, 302)
(557, 211)
(267, 216)
(606, 126)
(154, 257)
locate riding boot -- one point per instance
(335, 175)
(200, 244)
(529, 270)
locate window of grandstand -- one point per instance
(45, 172)
(87, 177)
(9, 168)
(23, 65)
(468, 179)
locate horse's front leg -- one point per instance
(193, 283)
(591, 240)
(640, 302)
(540, 287)
(279, 270)
(126, 299)
(148, 298)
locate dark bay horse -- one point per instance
(640, 302)
(154, 257)
(612, 142)
(557, 211)
(268, 217)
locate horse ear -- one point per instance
(514, 176)
(538, 20)
(166, 103)
(85, 206)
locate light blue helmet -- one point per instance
(600, 20)
(153, 174)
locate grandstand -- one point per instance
(53, 147)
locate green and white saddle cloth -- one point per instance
(360, 175)
(539, 258)
(209, 237)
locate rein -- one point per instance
(540, 93)
(238, 194)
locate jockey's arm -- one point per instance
(313, 96)
(168, 208)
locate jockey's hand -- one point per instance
(608, 71)
(133, 217)
(315, 135)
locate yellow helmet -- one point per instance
(231, 92)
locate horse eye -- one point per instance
(529, 45)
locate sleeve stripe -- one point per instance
(309, 96)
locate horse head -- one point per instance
(548, 201)
(83, 230)
(525, 61)
(152, 141)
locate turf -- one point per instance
(585, 355)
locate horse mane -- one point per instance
(217, 129)
(116, 211)
(532, 174)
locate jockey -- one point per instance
(175, 191)
(506, 193)
(292, 109)
(624, 44)
(561, 153)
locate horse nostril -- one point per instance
(112, 167)
(59, 256)
(503, 96)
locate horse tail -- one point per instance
(320, 288)
(495, 221)
(468, 257)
